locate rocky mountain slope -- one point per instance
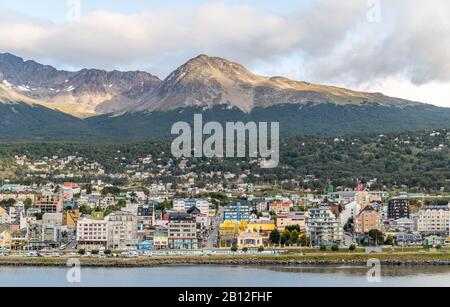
(85, 93)
(211, 81)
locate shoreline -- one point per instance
(282, 260)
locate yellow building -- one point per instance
(263, 227)
(228, 228)
(70, 218)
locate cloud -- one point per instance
(326, 41)
(241, 32)
(413, 40)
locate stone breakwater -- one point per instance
(137, 263)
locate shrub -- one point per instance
(82, 252)
(261, 249)
(323, 248)
(352, 248)
(335, 248)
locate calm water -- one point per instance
(226, 276)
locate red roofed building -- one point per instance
(281, 206)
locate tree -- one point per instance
(28, 203)
(95, 252)
(245, 249)
(108, 252)
(389, 240)
(261, 249)
(285, 237)
(304, 240)
(293, 239)
(274, 236)
(377, 236)
(234, 248)
(81, 252)
(352, 248)
(323, 248)
(335, 248)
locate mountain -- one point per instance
(211, 81)
(83, 93)
(25, 119)
(37, 102)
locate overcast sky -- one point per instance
(398, 47)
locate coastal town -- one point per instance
(99, 219)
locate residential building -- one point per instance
(50, 203)
(183, 205)
(250, 240)
(291, 219)
(146, 220)
(239, 211)
(398, 209)
(92, 233)
(281, 206)
(350, 212)
(368, 219)
(323, 227)
(434, 220)
(4, 216)
(160, 240)
(122, 230)
(182, 231)
(262, 227)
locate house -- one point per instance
(409, 239)
(281, 206)
(434, 241)
(368, 219)
(250, 240)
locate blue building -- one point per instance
(145, 245)
(237, 212)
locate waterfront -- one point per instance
(228, 276)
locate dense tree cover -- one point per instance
(418, 161)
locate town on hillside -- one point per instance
(103, 220)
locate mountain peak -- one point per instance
(206, 81)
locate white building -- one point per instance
(122, 230)
(351, 210)
(323, 227)
(183, 205)
(93, 233)
(434, 220)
